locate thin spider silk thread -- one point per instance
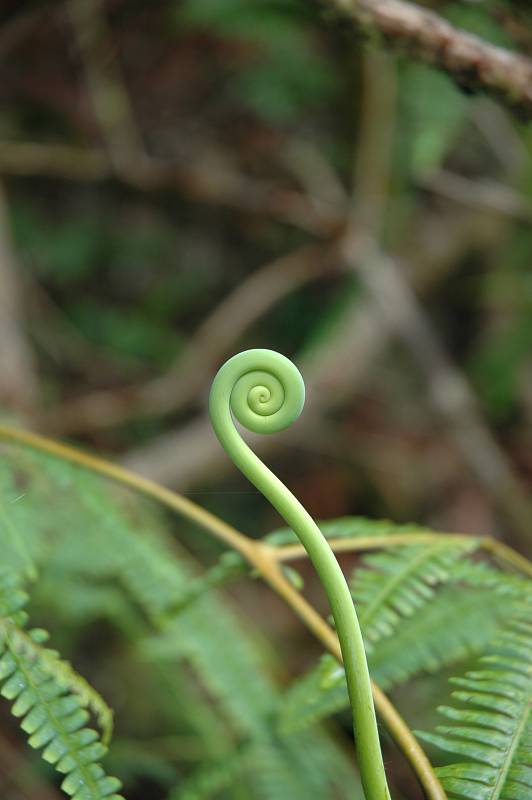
(265, 392)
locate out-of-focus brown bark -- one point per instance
(18, 383)
(471, 61)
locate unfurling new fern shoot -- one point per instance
(266, 393)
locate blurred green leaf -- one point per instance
(286, 71)
(433, 114)
(496, 367)
(66, 251)
(476, 18)
(128, 333)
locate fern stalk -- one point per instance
(266, 393)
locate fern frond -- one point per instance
(494, 730)
(195, 626)
(273, 768)
(14, 538)
(483, 575)
(459, 623)
(229, 566)
(396, 584)
(210, 779)
(323, 764)
(349, 527)
(321, 692)
(275, 776)
(206, 636)
(50, 698)
(102, 535)
(63, 672)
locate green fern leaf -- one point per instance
(69, 679)
(494, 730)
(50, 699)
(101, 534)
(317, 695)
(349, 527)
(457, 624)
(210, 779)
(396, 584)
(15, 538)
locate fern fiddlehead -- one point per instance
(265, 392)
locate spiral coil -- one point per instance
(263, 389)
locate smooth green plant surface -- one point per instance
(266, 393)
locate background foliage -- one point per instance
(185, 179)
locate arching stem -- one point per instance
(369, 754)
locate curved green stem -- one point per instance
(265, 392)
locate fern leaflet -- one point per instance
(397, 584)
(49, 698)
(350, 527)
(494, 731)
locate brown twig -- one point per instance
(489, 195)
(211, 181)
(501, 552)
(105, 82)
(18, 381)
(402, 316)
(470, 60)
(503, 138)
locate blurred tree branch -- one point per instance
(471, 61)
(211, 180)
(488, 194)
(334, 372)
(212, 341)
(105, 82)
(447, 387)
(18, 382)
(404, 317)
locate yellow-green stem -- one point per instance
(265, 392)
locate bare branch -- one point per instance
(447, 387)
(403, 317)
(471, 61)
(193, 369)
(105, 82)
(18, 383)
(486, 194)
(190, 454)
(207, 180)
